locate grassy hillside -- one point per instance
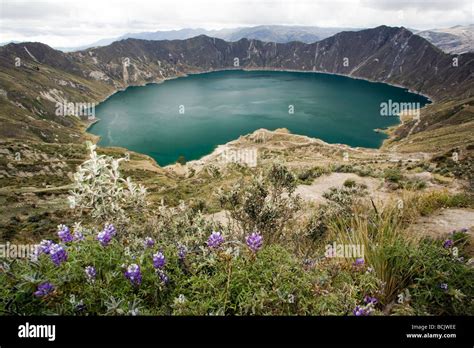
(270, 257)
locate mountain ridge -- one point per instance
(383, 54)
(268, 33)
(457, 40)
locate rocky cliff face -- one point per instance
(385, 54)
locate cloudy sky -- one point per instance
(70, 23)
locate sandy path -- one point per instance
(443, 222)
(315, 191)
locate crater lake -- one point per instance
(190, 116)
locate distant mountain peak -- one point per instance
(457, 39)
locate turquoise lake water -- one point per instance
(190, 116)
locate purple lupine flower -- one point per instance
(106, 235)
(80, 307)
(64, 234)
(44, 246)
(163, 277)
(448, 243)
(360, 311)
(254, 241)
(444, 286)
(58, 254)
(215, 240)
(159, 260)
(91, 273)
(182, 251)
(359, 262)
(78, 236)
(370, 300)
(133, 274)
(44, 289)
(464, 230)
(149, 242)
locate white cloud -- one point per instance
(78, 22)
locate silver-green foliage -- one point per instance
(100, 189)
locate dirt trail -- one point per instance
(443, 222)
(315, 191)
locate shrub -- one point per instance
(393, 175)
(343, 168)
(360, 170)
(443, 284)
(346, 195)
(266, 204)
(349, 183)
(430, 202)
(172, 224)
(415, 184)
(247, 286)
(99, 188)
(318, 225)
(306, 176)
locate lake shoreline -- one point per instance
(384, 131)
